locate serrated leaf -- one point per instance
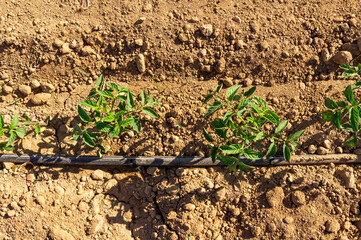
(14, 122)
(349, 95)
(342, 104)
(83, 115)
(329, 103)
(92, 93)
(354, 118)
(351, 142)
(336, 119)
(281, 126)
(349, 73)
(250, 91)
(109, 118)
(214, 151)
(272, 150)
(252, 154)
(286, 152)
(218, 123)
(11, 139)
(231, 148)
(243, 103)
(106, 93)
(89, 103)
(126, 122)
(208, 98)
(114, 86)
(115, 131)
(103, 127)
(100, 82)
(207, 136)
(327, 115)
(227, 116)
(345, 66)
(295, 145)
(232, 91)
(260, 136)
(88, 140)
(21, 132)
(143, 97)
(150, 101)
(227, 160)
(130, 101)
(150, 112)
(212, 108)
(295, 136)
(262, 102)
(136, 125)
(271, 118)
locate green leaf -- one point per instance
(218, 123)
(327, 115)
(150, 112)
(219, 88)
(354, 118)
(231, 148)
(83, 115)
(249, 92)
(92, 93)
(130, 101)
(349, 73)
(14, 122)
(295, 145)
(214, 151)
(1, 122)
(351, 142)
(212, 108)
(345, 66)
(341, 104)
(109, 118)
(286, 152)
(295, 136)
(136, 125)
(208, 98)
(336, 119)
(227, 116)
(271, 118)
(150, 101)
(21, 132)
(106, 93)
(227, 160)
(274, 115)
(115, 131)
(1, 132)
(100, 82)
(260, 136)
(272, 150)
(232, 91)
(331, 104)
(11, 139)
(349, 95)
(89, 103)
(252, 154)
(348, 127)
(143, 96)
(207, 136)
(262, 102)
(356, 85)
(88, 140)
(126, 122)
(99, 154)
(103, 127)
(243, 103)
(114, 86)
(243, 167)
(281, 126)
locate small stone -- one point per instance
(25, 90)
(237, 19)
(325, 55)
(35, 84)
(275, 197)
(235, 211)
(180, 172)
(73, 44)
(58, 43)
(14, 205)
(47, 87)
(152, 170)
(348, 177)
(139, 42)
(7, 89)
(202, 52)
(256, 231)
(4, 76)
(97, 175)
(141, 63)
(312, 149)
(228, 82)
(11, 213)
(342, 57)
(59, 190)
(263, 45)
(40, 98)
(183, 37)
(332, 226)
(339, 150)
(327, 144)
(40, 200)
(298, 198)
(206, 30)
(288, 220)
(220, 65)
(65, 48)
(189, 207)
(95, 225)
(8, 165)
(322, 151)
(30, 177)
(87, 50)
(56, 233)
(247, 82)
(83, 206)
(220, 194)
(240, 43)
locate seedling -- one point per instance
(351, 107)
(114, 111)
(241, 132)
(12, 132)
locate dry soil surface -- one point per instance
(51, 53)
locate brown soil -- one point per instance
(289, 49)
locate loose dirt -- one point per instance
(51, 53)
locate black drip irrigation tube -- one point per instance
(175, 161)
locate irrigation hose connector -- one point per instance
(176, 161)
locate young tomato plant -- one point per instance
(12, 132)
(241, 132)
(114, 110)
(351, 107)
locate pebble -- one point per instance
(322, 150)
(342, 57)
(4, 76)
(35, 84)
(59, 190)
(247, 82)
(206, 30)
(8, 165)
(312, 149)
(237, 19)
(83, 206)
(141, 63)
(40, 200)
(40, 98)
(152, 171)
(87, 50)
(97, 175)
(228, 82)
(58, 43)
(73, 44)
(25, 90)
(189, 207)
(348, 177)
(47, 87)
(30, 177)
(95, 225)
(263, 45)
(183, 37)
(110, 184)
(7, 89)
(275, 197)
(56, 233)
(202, 52)
(298, 198)
(139, 42)
(256, 231)
(327, 144)
(220, 65)
(11, 213)
(325, 55)
(220, 194)
(339, 150)
(332, 226)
